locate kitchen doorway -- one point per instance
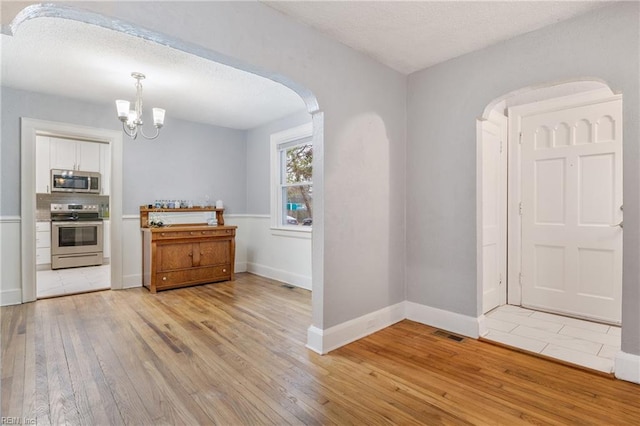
(36, 210)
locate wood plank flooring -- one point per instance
(233, 354)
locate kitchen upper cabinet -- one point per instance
(68, 154)
(88, 155)
(43, 176)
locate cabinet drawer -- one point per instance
(43, 239)
(43, 226)
(195, 275)
(193, 234)
(43, 256)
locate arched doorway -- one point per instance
(70, 13)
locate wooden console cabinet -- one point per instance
(185, 255)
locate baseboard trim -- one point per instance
(241, 267)
(10, 297)
(445, 320)
(279, 275)
(131, 281)
(324, 341)
(483, 330)
(627, 367)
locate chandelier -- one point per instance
(132, 118)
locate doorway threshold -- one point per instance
(574, 341)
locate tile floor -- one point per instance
(588, 344)
(72, 280)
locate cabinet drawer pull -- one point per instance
(192, 233)
(190, 254)
(162, 234)
(224, 270)
(204, 232)
(164, 278)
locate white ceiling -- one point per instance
(67, 58)
(410, 36)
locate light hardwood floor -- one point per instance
(233, 354)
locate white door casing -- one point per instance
(492, 193)
(29, 130)
(571, 193)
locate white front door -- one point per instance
(571, 174)
(492, 137)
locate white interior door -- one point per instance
(492, 136)
(571, 174)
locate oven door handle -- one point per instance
(75, 224)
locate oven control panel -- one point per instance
(74, 207)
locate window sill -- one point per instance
(292, 232)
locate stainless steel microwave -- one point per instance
(75, 181)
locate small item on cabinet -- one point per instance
(212, 221)
(219, 204)
(170, 205)
(189, 204)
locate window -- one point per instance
(292, 183)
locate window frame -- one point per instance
(304, 131)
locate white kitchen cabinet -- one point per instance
(67, 154)
(43, 176)
(88, 156)
(63, 154)
(105, 168)
(43, 243)
(106, 238)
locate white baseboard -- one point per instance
(445, 320)
(482, 326)
(324, 341)
(279, 275)
(627, 367)
(10, 297)
(132, 281)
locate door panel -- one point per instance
(492, 135)
(571, 173)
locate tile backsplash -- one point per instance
(44, 201)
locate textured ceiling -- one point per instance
(68, 58)
(410, 36)
(64, 57)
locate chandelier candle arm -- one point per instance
(132, 118)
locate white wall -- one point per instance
(278, 255)
(10, 283)
(443, 103)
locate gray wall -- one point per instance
(259, 157)
(443, 103)
(187, 161)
